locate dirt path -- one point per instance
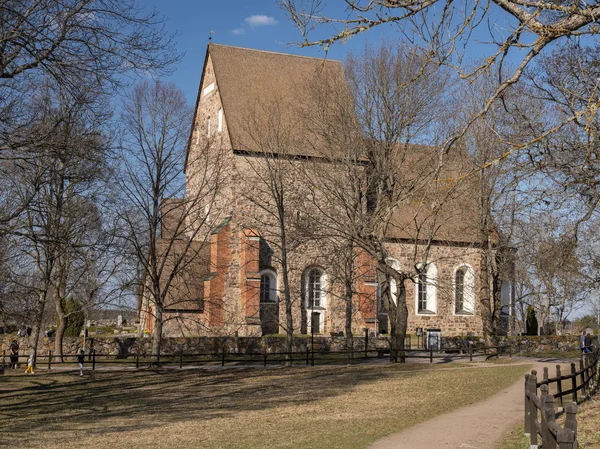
(482, 425)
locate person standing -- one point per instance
(29, 369)
(14, 354)
(80, 360)
(582, 342)
(588, 343)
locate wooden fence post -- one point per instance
(49, 360)
(548, 417)
(265, 357)
(574, 382)
(181, 359)
(545, 373)
(137, 361)
(470, 353)
(527, 406)
(571, 420)
(559, 385)
(223, 357)
(94, 360)
(431, 355)
(583, 383)
(533, 434)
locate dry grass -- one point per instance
(321, 407)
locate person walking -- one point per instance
(29, 369)
(588, 343)
(80, 360)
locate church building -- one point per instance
(250, 109)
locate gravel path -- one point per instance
(482, 425)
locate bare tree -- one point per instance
(448, 29)
(62, 227)
(380, 183)
(77, 44)
(70, 41)
(165, 229)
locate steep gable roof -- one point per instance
(265, 93)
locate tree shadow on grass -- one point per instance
(104, 402)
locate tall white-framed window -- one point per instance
(268, 286)
(316, 299)
(426, 290)
(220, 120)
(464, 290)
(208, 126)
(393, 285)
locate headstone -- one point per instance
(119, 320)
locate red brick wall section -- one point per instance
(367, 288)
(214, 287)
(250, 275)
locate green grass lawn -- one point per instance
(341, 407)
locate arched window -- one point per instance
(220, 120)
(268, 286)
(393, 286)
(269, 306)
(315, 288)
(464, 290)
(315, 299)
(426, 290)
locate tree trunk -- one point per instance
(34, 339)
(289, 319)
(157, 332)
(485, 299)
(60, 332)
(399, 324)
(349, 336)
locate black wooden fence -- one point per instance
(265, 358)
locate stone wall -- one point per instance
(123, 346)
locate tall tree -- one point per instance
(163, 227)
(378, 170)
(62, 225)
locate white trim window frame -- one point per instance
(426, 291)
(464, 292)
(268, 295)
(315, 296)
(220, 121)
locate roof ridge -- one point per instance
(274, 52)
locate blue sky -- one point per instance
(262, 24)
(259, 24)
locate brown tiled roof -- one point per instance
(265, 92)
(457, 218)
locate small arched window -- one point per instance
(426, 290)
(464, 290)
(268, 287)
(220, 120)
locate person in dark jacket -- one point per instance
(14, 354)
(588, 343)
(80, 360)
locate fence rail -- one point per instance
(265, 358)
(540, 412)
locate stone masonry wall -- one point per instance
(124, 346)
